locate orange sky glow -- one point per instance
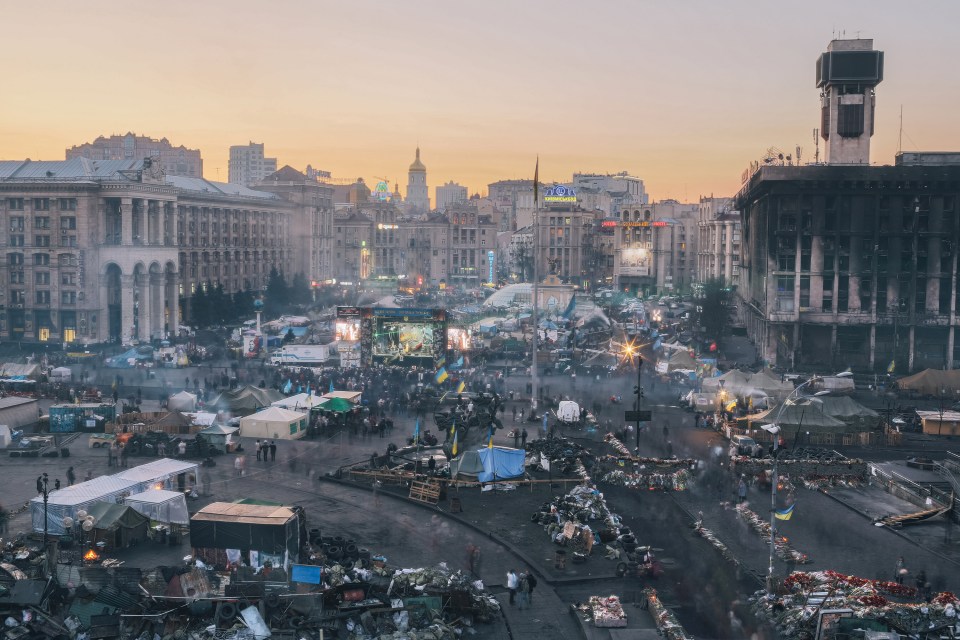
(683, 95)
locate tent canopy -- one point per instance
(160, 505)
(680, 360)
(930, 382)
(300, 401)
(246, 399)
(501, 463)
(849, 411)
(467, 464)
(183, 401)
(274, 422)
(350, 396)
(158, 471)
(227, 525)
(337, 405)
(110, 515)
(808, 416)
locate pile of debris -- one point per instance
(557, 454)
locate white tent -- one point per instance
(68, 500)
(274, 422)
(183, 401)
(300, 402)
(160, 505)
(162, 471)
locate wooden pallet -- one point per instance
(427, 491)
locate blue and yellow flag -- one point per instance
(455, 447)
(416, 432)
(461, 386)
(490, 439)
(784, 514)
(441, 375)
(892, 366)
(442, 360)
(453, 428)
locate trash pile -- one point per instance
(780, 544)
(795, 611)
(557, 454)
(355, 595)
(649, 480)
(667, 623)
(603, 612)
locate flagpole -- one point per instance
(535, 378)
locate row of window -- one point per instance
(42, 204)
(41, 240)
(18, 296)
(42, 259)
(18, 223)
(43, 278)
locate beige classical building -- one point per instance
(718, 250)
(175, 161)
(104, 250)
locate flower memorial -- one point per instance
(781, 546)
(667, 623)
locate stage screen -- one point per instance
(348, 329)
(459, 338)
(408, 339)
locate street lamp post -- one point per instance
(940, 424)
(42, 483)
(639, 397)
(774, 429)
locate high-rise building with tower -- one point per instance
(418, 197)
(847, 75)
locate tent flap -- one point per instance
(500, 463)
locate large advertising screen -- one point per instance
(403, 339)
(635, 261)
(404, 336)
(347, 326)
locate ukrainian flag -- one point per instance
(441, 375)
(461, 386)
(892, 366)
(490, 439)
(784, 514)
(455, 447)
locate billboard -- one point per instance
(404, 336)
(634, 261)
(347, 328)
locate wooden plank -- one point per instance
(425, 491)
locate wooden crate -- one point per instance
(427, 491)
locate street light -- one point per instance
(774, 428)
(42, 485)
(629, 351)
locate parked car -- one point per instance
(744, 444)
(98, 440)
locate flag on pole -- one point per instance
(453, 428)
(455, 449)
(536, 183)
(331, 386)
(461, 386)
(784, 514)
(441, 375)
(892, 366)
(490, 438)
(416, 432)
(544, 421)
(442, 360)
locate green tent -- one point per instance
(337, 405)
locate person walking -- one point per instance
(238, 465)
(258, 447)
(523, 591)
(516, 438)
(512, 583)
(71, 477)
(110, 450)
(531, 585)
(900, 570)
(742, 489)
(523, 438)
(124, 457)
(181, 449)
(273, 451)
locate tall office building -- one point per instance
(248, 166)
(449, 195)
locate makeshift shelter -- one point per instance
(276, 423)
(930, 382)
(300, 402)
(676, 360)
(735, 382)
(220, 436)
(183, 401)
(20, 371)
(60, 374)
(850, 412)
(350, 396)
(159, 505)
(935, 423)
(501, 463)
(246, 400)
(771, 384)
(267, 531)
(68, 500)
(17, 413)
(165, 473)
(117, 525)
(337, 405)
(807, 417)
(468, 464)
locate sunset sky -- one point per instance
(682, 94)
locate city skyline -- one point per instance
(684, 98)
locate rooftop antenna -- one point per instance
(900, 137)
(816, 142)
(799, 150)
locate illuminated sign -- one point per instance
(606, 224)
(382, 191)
(387, 226)
(560, 193)
(634, 261)
(655, 223)
(490, 259)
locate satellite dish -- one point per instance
(87, 525)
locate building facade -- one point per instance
(562, 247)
(852, 266)
(175, 161)
(655, 248)
(105, 250)
(450, 194)
(248, 166)
(418, 194)
(718, 246)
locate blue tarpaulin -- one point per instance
(500, 463)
